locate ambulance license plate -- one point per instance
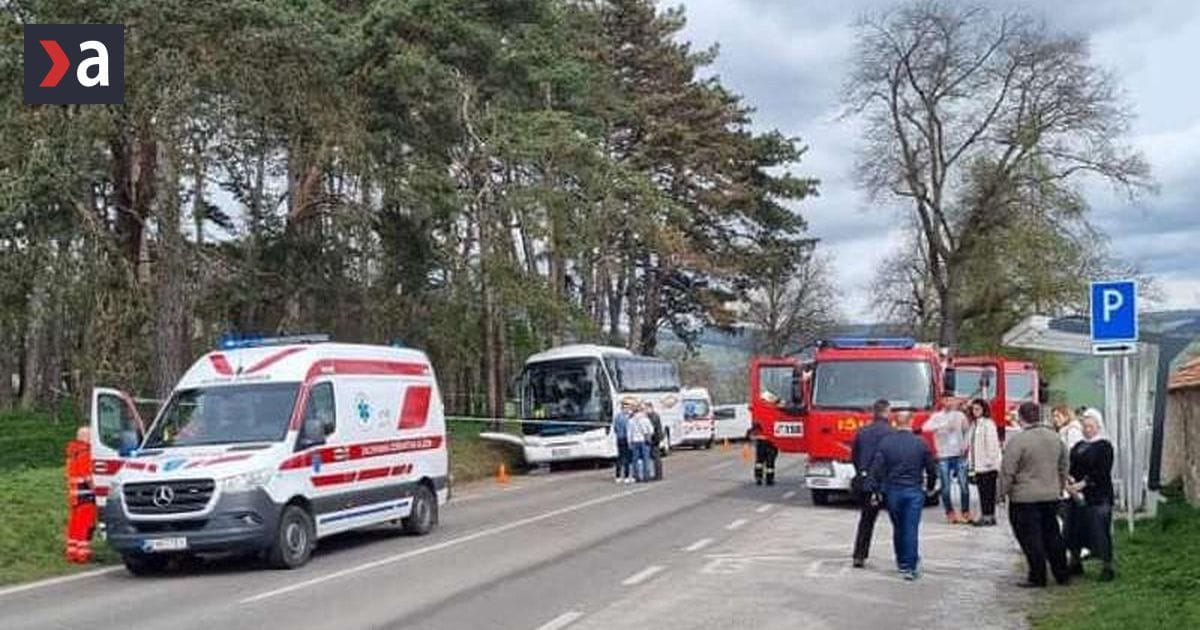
(789, 429)
(178, 543)
(560, 452)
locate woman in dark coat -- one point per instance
(1091, 489)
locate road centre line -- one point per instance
(762, 509)
(698, 545)
(453, 542)
(561, 621)
(736, 524)
(643, 575)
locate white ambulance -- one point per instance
(267, 445)
(699, 427)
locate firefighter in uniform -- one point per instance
(81, 498)
(764, 456)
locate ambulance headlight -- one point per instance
(247, 481)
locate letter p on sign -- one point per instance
(1114, 311)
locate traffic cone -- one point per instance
(502, 474)
(746, 454)
(725, 445)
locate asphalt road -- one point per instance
(702, 549)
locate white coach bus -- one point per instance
(581, 386)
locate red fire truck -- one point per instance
(825, 394)
(976, 377)
(815, 402)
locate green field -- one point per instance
(1158, 578)
(33, 505)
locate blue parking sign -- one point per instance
(1114, 311)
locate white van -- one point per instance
(268, 445)
(733, 421)
(699, 429)
(570, 395)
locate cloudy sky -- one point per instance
(789, 57)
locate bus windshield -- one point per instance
(228, 414)
(858, 384)
(572, 389)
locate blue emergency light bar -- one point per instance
(234, 341)
(903, 343)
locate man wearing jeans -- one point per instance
(621, 433)
(901, 464)
(949, 427)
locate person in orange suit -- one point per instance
(81, 498)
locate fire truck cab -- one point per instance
(978, 377)
(816, 402)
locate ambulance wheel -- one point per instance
(820, 497)
(424, 514)
(145, 564)
(294, 540)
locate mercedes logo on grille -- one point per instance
(163, 496)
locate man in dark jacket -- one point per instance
(901, 464)
(866, 444)
(656, 445)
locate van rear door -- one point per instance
(116, 430)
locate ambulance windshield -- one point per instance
(573, 390)
(858, 384)
(229, 414)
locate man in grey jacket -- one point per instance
(1032, 477)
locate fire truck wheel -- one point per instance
(294, 541)
(820, 497)
(145, 564)
(424, 512)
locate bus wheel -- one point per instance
(820, 497)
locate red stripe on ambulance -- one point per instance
(333, 479)
(273, 359)
(364, 450)
(221, 364)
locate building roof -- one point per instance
(1187, 376)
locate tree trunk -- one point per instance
(172, 322)
(35, 384)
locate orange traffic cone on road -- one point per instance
(725, 445)
(746, 454)
(502, 474)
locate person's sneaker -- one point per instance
(952, 518)
(618, 480)
(908, 575)
(1107, 574)
(1075, 568)
(859, 563)
(965, 518)
(758, 482)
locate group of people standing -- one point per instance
(1046, 474)
(639, 434)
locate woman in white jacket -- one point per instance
(983, 459)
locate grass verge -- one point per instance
(1158, 577)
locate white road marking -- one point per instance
(736, 524)
(21, 588)
(721, 466)
(642, 576)
(764, 508)
(789, 494)
(561, 621)
(453, 542)
(699, 544)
